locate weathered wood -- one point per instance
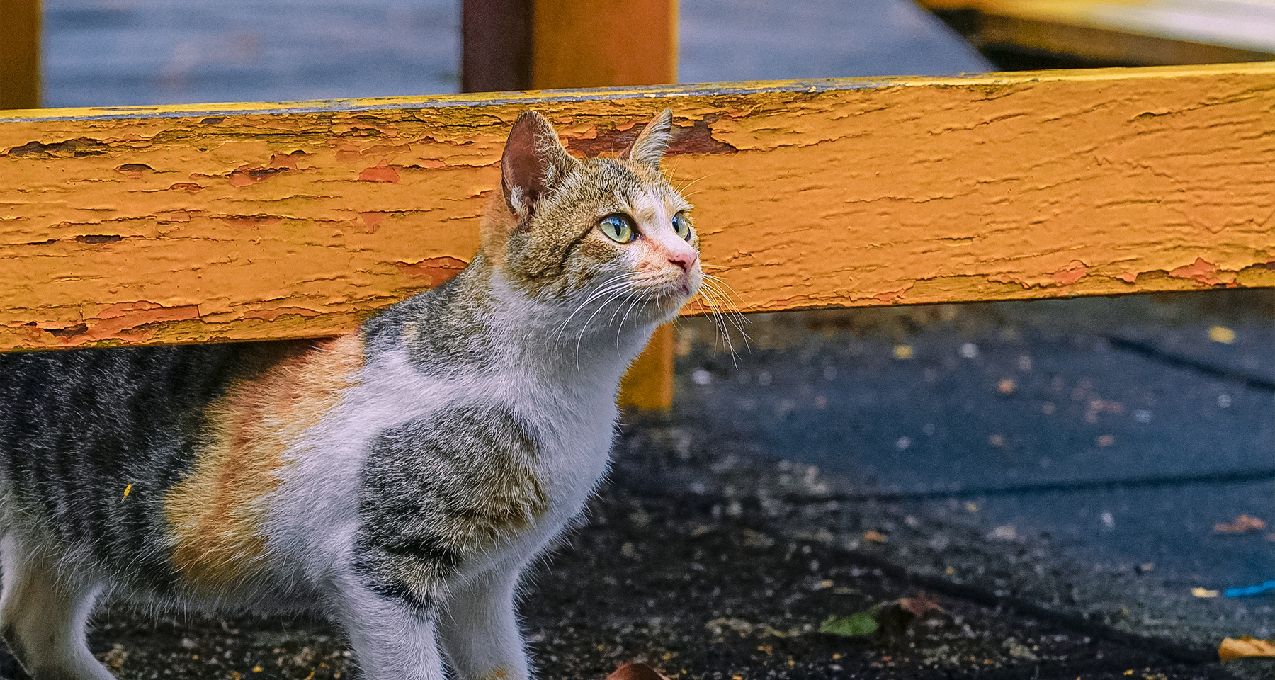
(1127, 32)
(251, 221)
(19, 54)
(542, 44)
(585, 43)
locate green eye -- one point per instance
(618, 228)
(682, 225)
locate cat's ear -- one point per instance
(534, 161)
(650, 145)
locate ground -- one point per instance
(708, 564)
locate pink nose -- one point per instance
(684, 260)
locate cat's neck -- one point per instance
(481, 322)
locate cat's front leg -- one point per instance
(479, 628)
(393, 639)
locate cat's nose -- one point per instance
(684, 260)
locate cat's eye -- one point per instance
(618, 227)
(682, 225)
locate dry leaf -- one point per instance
(1221, 335)
(920, 605)
(1245, 648)
(636, 671)
(874, 536)
(1240, 525)
(1205, 593)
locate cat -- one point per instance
(396, 480)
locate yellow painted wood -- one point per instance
(254, 221)
(585, 43)
(1139, 32)
(19, 54)
(648, 385)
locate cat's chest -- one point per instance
(574, 449)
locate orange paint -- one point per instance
(215, 513)
(434, 270)
(1073, 272)
(379, 173)
(1201, 270)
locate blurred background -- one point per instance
(1130, 433)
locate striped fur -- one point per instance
(397, 480)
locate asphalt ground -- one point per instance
(1115, 426)
(708, 559)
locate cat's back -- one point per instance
(98, 448)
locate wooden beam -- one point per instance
(19, 54)
(251, 221)
(585, 43)
(549, 44)
(1117, 32)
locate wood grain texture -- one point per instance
(254, 221)
(1131, 32)
(19, 54)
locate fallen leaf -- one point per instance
(874, 536)
(903, 352)
(921, 605)
(1245, 648)
(636, 671)
(1221, 335)
(1240, 525)
(1204, 593)
(856, 625)
(1006, 386)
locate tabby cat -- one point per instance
(396, 480)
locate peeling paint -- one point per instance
(1201, 270)
(433, 271)
(381, 172)
(817, 194)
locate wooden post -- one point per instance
(549, 44)
(19, 54)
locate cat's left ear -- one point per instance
(533, 163)
(650, 145)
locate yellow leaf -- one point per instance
(127, 490)
(1221, 334)
(903, 352)
(874, 536)
(1204, 592)
(1245, 648)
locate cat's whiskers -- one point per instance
(723, 291)
(619, 328)
(585, 326)
(614, 283)
(714, 299)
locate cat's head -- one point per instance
(598, 232)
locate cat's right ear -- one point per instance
(534, 161)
